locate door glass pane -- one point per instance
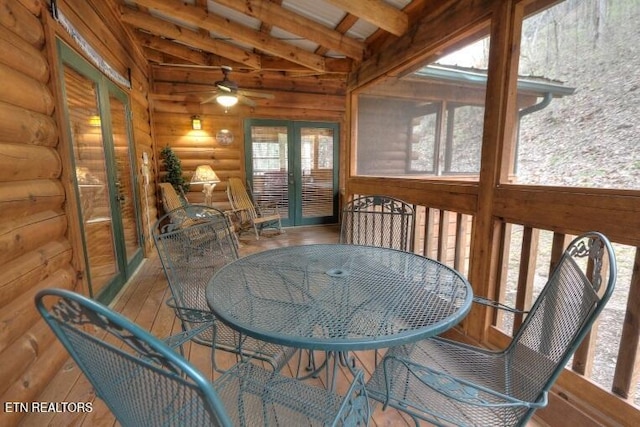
(317, 171)
(124, 179)
(269, 146)
(91, 175)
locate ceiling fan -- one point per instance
(228, 94)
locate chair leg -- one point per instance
(255, 227)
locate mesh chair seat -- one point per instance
(418, 373)
(278, 400)
(145, 383)
(450, 383)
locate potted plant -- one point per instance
(173, 167)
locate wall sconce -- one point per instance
(196, 123)
(94, 120)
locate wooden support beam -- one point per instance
(273, 14)
(203, 19)
(192, 38)
(378, 13)
(166, 47)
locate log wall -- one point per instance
(39, 243)
(385, 127)
(301, 98)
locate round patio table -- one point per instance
(338, 297)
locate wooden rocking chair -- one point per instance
(170, 198)
(250, 215)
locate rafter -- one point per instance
(202, 19)
(157, 49)
(185, 53)
(345, 25)
(378, 13)
(167, 30)
(292, 22)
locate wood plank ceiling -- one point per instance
(324, 39)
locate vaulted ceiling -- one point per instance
(291, 37)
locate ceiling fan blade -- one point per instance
(224, 88)
(255, 94)
(187, 92)
(209, 99)
(246, 101)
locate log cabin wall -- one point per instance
(39, 242)
(176, 97)
(390, 156)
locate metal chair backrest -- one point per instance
(193, 242)
(378, 221)
(142, 381)
(573, 297)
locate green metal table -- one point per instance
(338, 298)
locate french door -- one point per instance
(98, 121)
(294, 165)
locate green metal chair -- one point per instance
(145, 383)
(449, 383)
(378, 221)
(193, 242)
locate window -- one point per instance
(428, 122)
(464, 139)
(425, 131)
(269, 149)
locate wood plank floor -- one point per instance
(142, 301)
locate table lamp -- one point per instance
(205, 175)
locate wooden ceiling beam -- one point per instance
(337, 67)
(345, 25)
(378, 13)
(278, 16)
(167, 30)
(165, 46)
(181, 79)
(219, 25)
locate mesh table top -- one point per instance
(338, 297)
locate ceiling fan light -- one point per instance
(227, 100)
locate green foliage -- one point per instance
(174, 170)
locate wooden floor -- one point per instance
(142, 300)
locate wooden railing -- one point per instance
(602, 378)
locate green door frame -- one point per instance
(294, 156)
(105, 88)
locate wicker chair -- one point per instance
(257, 216)
(193, 242)
(145, 383)
(170, 198)
(449, 383)
(378, 221)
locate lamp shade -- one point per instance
(204, 175)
